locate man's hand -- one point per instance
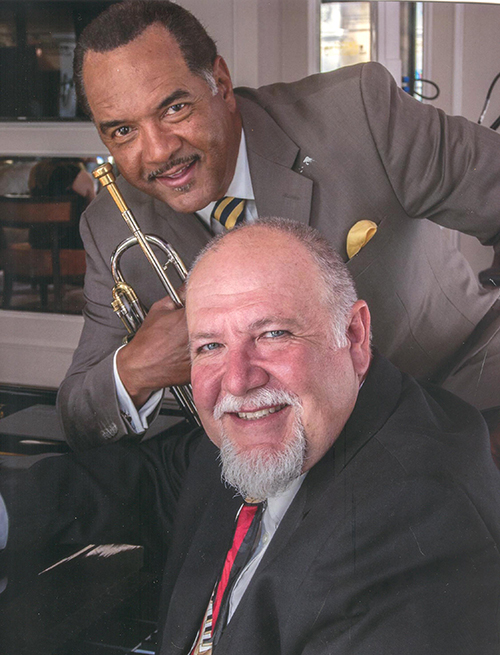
(158, 355)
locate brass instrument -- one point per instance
(125, 303)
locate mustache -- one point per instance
(150, 177)
(255, 400)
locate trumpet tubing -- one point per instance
(126, 303)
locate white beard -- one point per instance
(262, 472)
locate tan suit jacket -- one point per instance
(331, 150)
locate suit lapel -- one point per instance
(271, 157)
(376, 402)
(377, 399)
(182, 225)
(200, 569)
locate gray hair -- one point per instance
(339, 292)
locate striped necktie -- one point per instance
(229, 211)
(245, 536)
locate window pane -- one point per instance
(41, 200)
(37, 40)
(345, 34)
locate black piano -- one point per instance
(99, 599)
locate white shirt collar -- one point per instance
(274, 511)
(241, 184)
(277, 505)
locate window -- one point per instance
(345, 34)
(37, 40)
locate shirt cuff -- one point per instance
(4, 524)
(136, 419)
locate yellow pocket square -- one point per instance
(359, 235)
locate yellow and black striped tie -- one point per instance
(229, 211)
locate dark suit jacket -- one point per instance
(330, 150)
(390, 546)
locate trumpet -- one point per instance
(126, 303)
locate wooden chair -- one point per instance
(22, 262)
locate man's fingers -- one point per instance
(167, 303)
(163, 304)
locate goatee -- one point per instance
(262, 472)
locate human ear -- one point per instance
(358, 334)
(224, 83)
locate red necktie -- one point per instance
(245, 519)
(247, 527)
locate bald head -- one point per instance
(268, 374)
(280, 240)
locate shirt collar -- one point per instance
(241, 184)
(278, 505)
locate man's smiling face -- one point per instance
(259, 325)
(170, 135)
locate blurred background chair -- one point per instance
(40, 266)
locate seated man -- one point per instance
(371, 521)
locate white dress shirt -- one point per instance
(137, 419)
(240, 187)
(271, 518)
(275, 510)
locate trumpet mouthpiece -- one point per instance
(104, 174)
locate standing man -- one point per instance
(347, 152)
(372, 504)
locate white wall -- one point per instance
(262, 41)
(36, 349)
(463, 57)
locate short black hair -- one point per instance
(123, 22)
